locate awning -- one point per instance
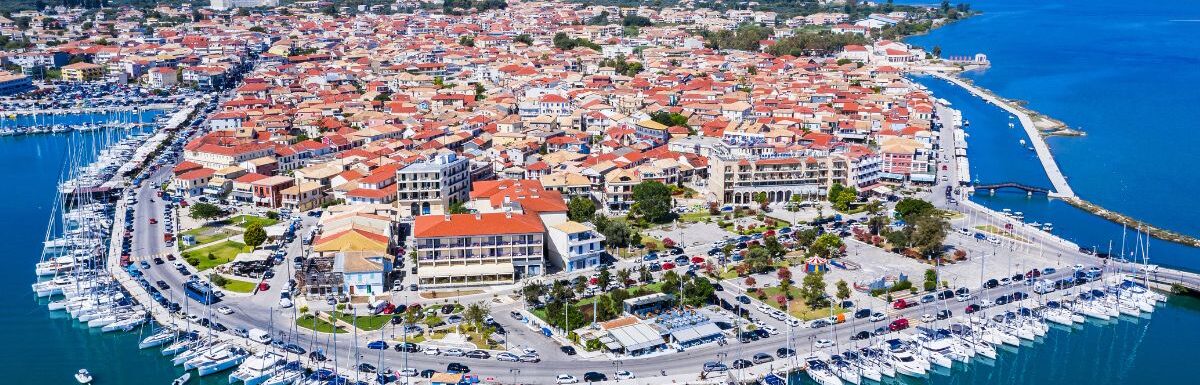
(635, 337)
(465, 270)
(923, 177)
(696, 333)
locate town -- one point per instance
(535, 192)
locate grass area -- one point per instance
(221, 253)
(414, 338)
(698, 216)
(209, 234)
(311, 322)
(365, 322)
(238, 286)
(244, 221)
(796, 307)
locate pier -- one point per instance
(1057, 179)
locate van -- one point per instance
(260, 336)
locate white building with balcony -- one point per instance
(575, 246)
(428, 188)
(478, 249)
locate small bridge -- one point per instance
(1013, 185)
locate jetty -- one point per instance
(1057, 179)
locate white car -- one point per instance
(765, 309)
(285, 303)
(432, 351)
(964, 231)
(528, 351)
(454, 352)
(964, 297)
(625, 375)
(993, 240)
(407, 372)
(927, 318)
(793, 322)
(823, 343)
(565, 379)
(770, 329)
(877, 317)
(226, 310)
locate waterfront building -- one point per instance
(12, 84)
(737, 179)
(363, 273)
(82, 72)
(477, 249)
(430, 187)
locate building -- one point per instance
(82, 72)
(306, 196)
(12, 84)
(192, 183)
(363, 273)
(618, 189)
(428, 188)
(477, 249)
(575, 246)
(736, 180)
(268, 192)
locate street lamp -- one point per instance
(617, 364)
(514, 372)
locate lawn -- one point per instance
(365, 322)
(238, 286)
(222, 253)
(797, 308)
(209, 234)
(697, 216)
(1001, 232)
(311, 322)
(244, 221)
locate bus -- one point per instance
(201, 292)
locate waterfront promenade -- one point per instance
(1057, 179)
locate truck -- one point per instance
(260, 336)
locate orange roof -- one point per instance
(469, 225)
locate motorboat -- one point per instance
(182, 379)
(256, 369)
(83, 376)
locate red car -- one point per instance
(900, 304)
(668, 266)
(697, 260)
(899, 324)
(971, 308)
(153, 221)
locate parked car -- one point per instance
(594, 377)
(565, 379)
(761, 358)
(898, 324)
(570, 351)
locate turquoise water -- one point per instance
(1124, 72)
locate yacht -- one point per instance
(866, 369)
(288, 374)
(225, 359)
(875, 357)
(157, 339)
(55, 266)
(821, 373)
(907, 364)
(127, 323)
(194, 351)
(845, 370)
(256, 369)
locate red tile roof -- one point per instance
(471, 225)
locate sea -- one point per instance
(1126, 73)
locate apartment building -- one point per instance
(82, 72)
(428, 188)
(736, 180)
(478, 249)
(575, 246)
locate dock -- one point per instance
(1057, 179)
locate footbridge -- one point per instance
(1012, 185)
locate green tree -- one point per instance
(255, 235)
(825, 245)
(841, 196)
(670, 119)
(670, 282)
(876, 224)
(604, 277)
(930, 280)
(466, 41)
(812, 290)
(581, 209)
(474, 314)
(623, 276)
(652, 201)
(523, 38)
(204, 211)
(532, 291)
(843, 290)
(458, 208)
(910, 208)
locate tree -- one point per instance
(466, 41)
(927, 234)
(750, 282)
(255, 235)
(761, 198)
(825, 245)
(474, 314)
(930, 280)
(204, 211)
(670, 119)
(532, 291)
(697, 291)
(812, 290)
(758, 260)
(523, 38)
(458, 208)
(652, 201)
(909, 208)
(604, 277)
(876, 224)
(644, 275)
(937, 51)
(480, 92)
(670, 282)
(843, 290)
(581, 209)
(841, 196)
(623, 276)
(773, 247)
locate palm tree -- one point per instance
(623, 275)
(475, 314)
